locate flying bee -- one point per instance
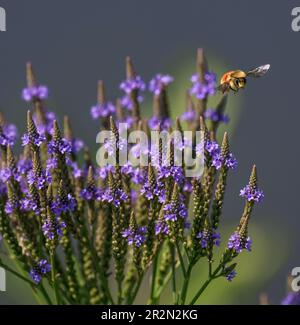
(235, 80)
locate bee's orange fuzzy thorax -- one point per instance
(226, 77)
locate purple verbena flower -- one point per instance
(136, 238)
(10, 207)
(36, 140)
(238, 243)
(8, 135)
(61, 205)
(28, 203)
(63, 146)
(214, 116)
(35, 92)
(103, 110)
(292, 298)
(114, 197)
(174, 210)
(231, 275)
(161, 227)
(189, 115)
(207, 88)
(45, 127)
(24, 165)
(159, 82)
(209, 237)
(135, 84)
(77, 145)
(53, 228)
(155, 121)
(252, 194)
(38, 271)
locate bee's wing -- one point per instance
(259, 71)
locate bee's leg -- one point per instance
(232, 85)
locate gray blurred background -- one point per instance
(72, 44)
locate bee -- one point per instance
(235, 80)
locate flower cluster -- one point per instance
(62, 146)
(64, 204)
(115, 197)
(173, 211)
(231, 275)
(252, 194)
(129, 85)
(102, 110)
(218, 159)
(155, 122)
(189, 115)
(8, 134)
(53, 228)
(58, 206)
(159, 82)
(214, 116)
(35, 92)
(238, 242)
(36, 139)
(203, 89)
(208, 237)
(45, 126)
(136, 238)
(40, 270)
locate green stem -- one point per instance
(209, 268)
(131, 300)
(53, 278)
(45, 294)
(205, 285)
(186, 283)
(154, 271)
(174, 291)
(181, 259)
(165, 283)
